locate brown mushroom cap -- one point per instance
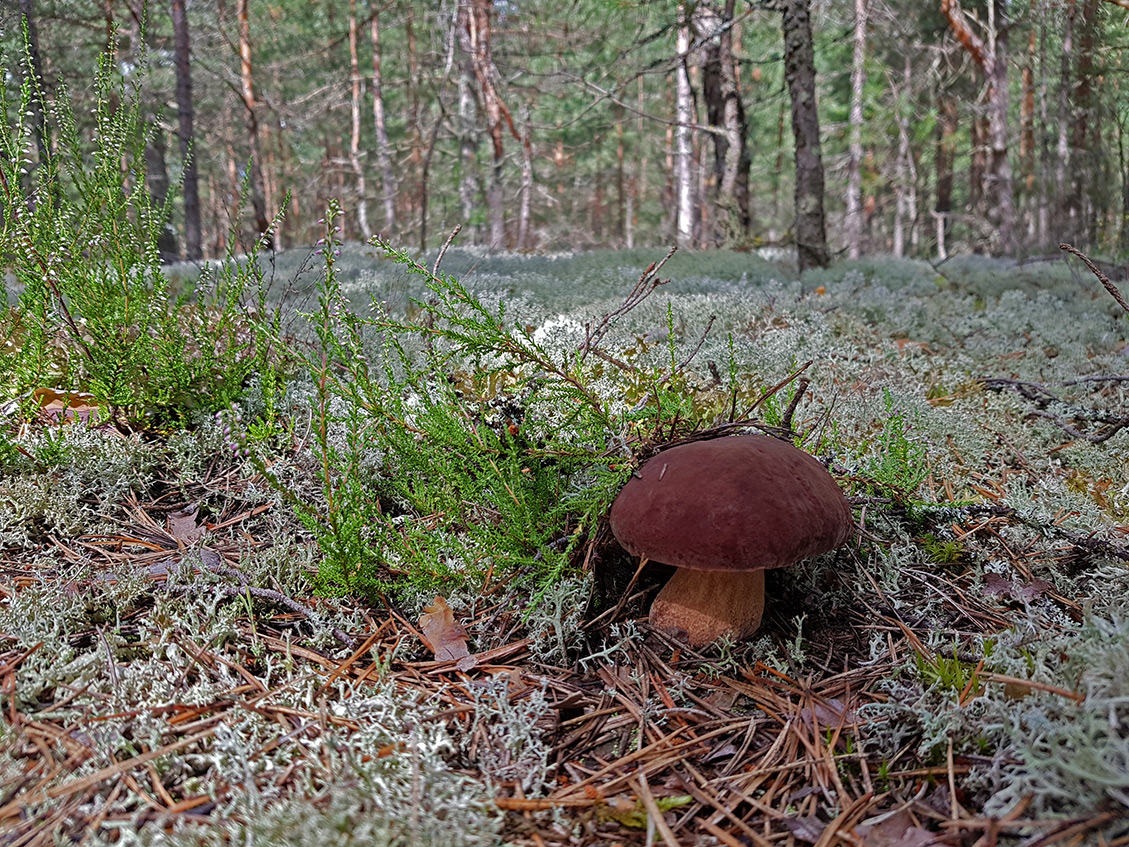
(731, 505)
(738, 503)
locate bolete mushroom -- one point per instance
(724, 511)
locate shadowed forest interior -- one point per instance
(838, 127)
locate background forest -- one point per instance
(999, 127)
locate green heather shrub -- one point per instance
(457, 445)
(94, 311)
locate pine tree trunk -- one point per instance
(157, 181)
(799, 73)
(258, 201)
(476, 23)
(853, 222)
(38, 119)
(1001, 207)
(726, 115)
(186, 117)
(995, 190)
(1086, 176)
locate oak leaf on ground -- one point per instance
(443, 636)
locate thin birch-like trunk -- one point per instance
(466, 130)
(526, 200)
(639, 184)
(683, 134)
(246, 76)
(620, 179)
(1044, 213)
(355, 127)
(380, 124)
(186, 118)
(905, 210)
(853, 222)
(1067, 203)
(944, 157)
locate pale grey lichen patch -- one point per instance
(66, 481)
(507, 736)
(363, 765)
(388, 783)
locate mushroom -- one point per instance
(723, 512)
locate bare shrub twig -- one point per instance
(1102, 278)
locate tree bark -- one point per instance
(355, 127)
(621, 201)
(853, 222)
(683, 135)
(945, 157)
(799, 73)
(1027, 111)
(905, 179)
(726, 114)
(383, 147)
(1123, 168)
(526, 201)
(157, 182)
(991, 57)
(476, 18)
(258, 201)
(466, 130)
(43, 144)
(186, 118)
(1001, 209)
(1086, 177)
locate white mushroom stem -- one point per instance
(702, 606)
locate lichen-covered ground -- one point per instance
(957, 674)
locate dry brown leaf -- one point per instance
(829, 713)
(996, 586)
(63, 406)
(805, 828)
(183, 525)
(443, 636)
(898, 830)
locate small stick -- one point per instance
(443, 250)
(786, 421)
(768, 393)
(1102, 278)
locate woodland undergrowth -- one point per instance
(222, 512)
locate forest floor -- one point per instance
(956, 674)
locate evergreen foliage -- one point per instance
(95, 312)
